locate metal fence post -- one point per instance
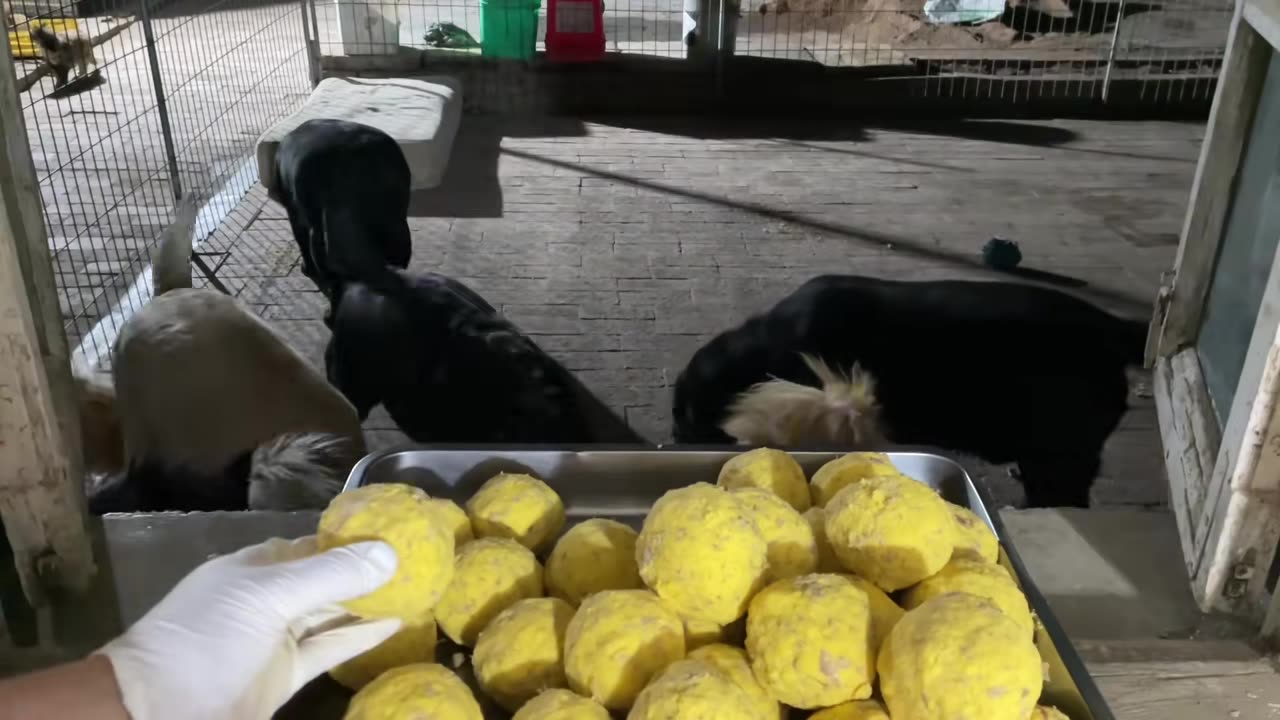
(310, 37)
(1111, 53)
(162, 108)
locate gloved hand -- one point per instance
(243, 632)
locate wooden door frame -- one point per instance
(1224, 484)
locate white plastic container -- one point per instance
(368, 28)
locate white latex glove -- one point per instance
(243, 632)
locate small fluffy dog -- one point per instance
(450, 369)
(1006, 371)
(63, 53)
(346, 189)
(216, 411)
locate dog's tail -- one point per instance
(300, 471)
(842, 412)
(101, 434)
(48, 41)
(172, 266)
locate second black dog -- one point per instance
(450, 369)
(346, 189)
(1006, 371)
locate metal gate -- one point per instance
(179, 95)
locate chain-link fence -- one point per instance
(170, 98)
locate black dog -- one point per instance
(450, 369)
(1005, 371)
(346, 188)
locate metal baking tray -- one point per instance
(623, 485)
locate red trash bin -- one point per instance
(575, 30)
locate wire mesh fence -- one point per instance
(172, 100)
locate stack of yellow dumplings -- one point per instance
(858, 594)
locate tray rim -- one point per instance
(1062, 644)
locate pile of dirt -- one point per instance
(899, 23)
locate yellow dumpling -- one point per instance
(701, 632)
(845, 471)
(556, 704)
(617, 642)
(817, 519)
(792, 548)
(412, 643)
(521, 652)
(856, 710)
(810, 641)
(1045, 712)
(767, 469)
(594, 555)
(992, 582)
(422, 690)
(885, 613)
(403, 517)
(519, 507)
(694, 689)
(490, 575)
(735, 664)
(455, 520)
(891, 530)
(702, 554)
(974, 539)
(958, 655)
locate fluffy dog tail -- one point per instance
(299, 471)
(842, 412)
(172, 266)
(101, 435)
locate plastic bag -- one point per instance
(954, 12)
(448, 35)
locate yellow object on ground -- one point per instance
(489, 576)
(412, 643)
(792, 548)
(594, 555)
(403, 517)
(24, 48)
(516, 506)
(973, 538)
(617, 642)
(810, 641)
(827, 561)
(702, 554)
(856, 710)
(561, 705)
(694, 689)
(521, 652)
(845, 471)
(424, 690)
(891, 530)
(455, 520)
(959, 656)
(975, 577)
(885, 613)
(735, 664)
(767, 469)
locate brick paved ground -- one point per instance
(623, 246)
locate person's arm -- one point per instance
(81, 690)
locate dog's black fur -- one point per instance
(346, 189)
(1006, 371)
(450, 369)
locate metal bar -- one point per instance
(311, 36)
(1111, 53)
(166, 130)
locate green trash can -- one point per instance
(509, 28)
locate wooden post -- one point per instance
(41, 477)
